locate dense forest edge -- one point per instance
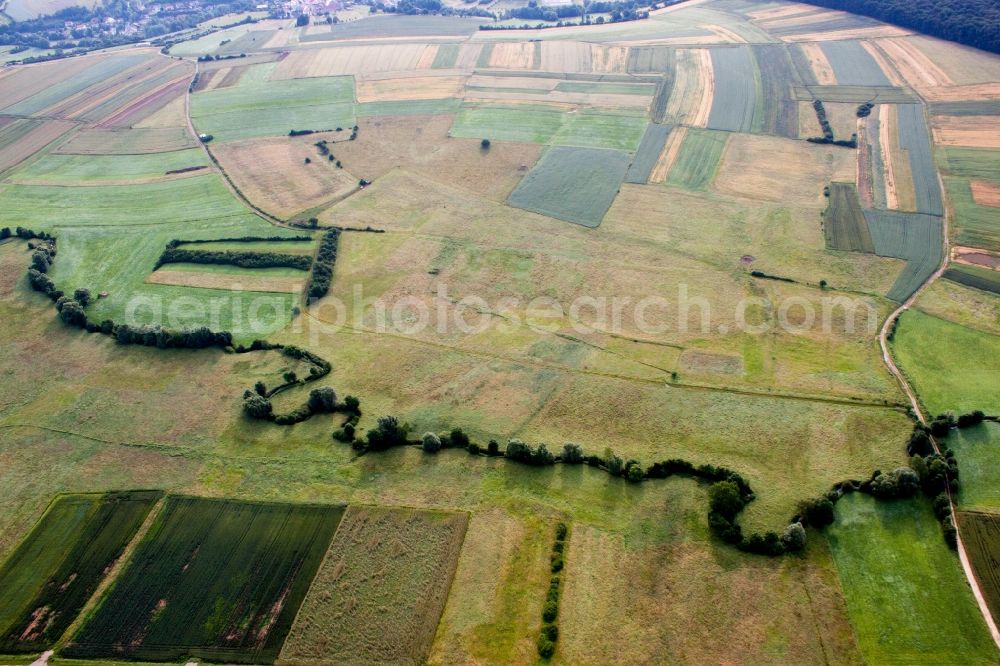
(970, 22)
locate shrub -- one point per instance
(458, 439)
(431, 442)
(561, 531)
(546, 648)
(386, 434)
(518, 450)
(493, 448)
(290, 377)
(322, 400)
(901, 482)
(725, 499)
(550, 611)
(551, 632)
(557, 562)
(485, 144)
(950, 533)
(572, 453)
(260, 389)
(817, 512)
(82, 296)
(794, 537)
(920, 443)
(352, 405)
(633, 471)
(972, 418)
(614, 463)
(542, 456)
(942, 506)
(72, 313)
(257, 407)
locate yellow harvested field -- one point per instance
(210, 280)
(820, 64)
(428, 56)
(32, 142)
(885, 64)
(726, 34)
(839, 35)
(802, 18)
(468, 56)
(913, 64)
(781, 11)
(523, 82)
(422, 144)
(513, 55)
(669, 155)
(272, 173)
(899, 191)
(707, 77)
(977, 92)
(409, 88)
(173, 114)
(608, 59)
(972, 131)
(963, 65)
(366, 59)
(279, 39)
(985, 194)
(567, 56)
(767, 168)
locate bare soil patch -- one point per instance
(972, 131)
(985, 194)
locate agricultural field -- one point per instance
(51, 575)
(982, 535)
(876, 542)
(614, 235)
(572, 184)
(217, 579)
(961, 376)
(698, 159)
(273, 108)
(977, 449)
(380, 591)
(844, 222)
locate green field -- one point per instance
(379, 593)
(737, 89)
(572, 184)
(979, 163)
(606, 88)
(974, 225)
(273, 108)
(549, 125)
(844, 224)
(983, 279)
(951, 367)
(55, 570)
(418, 107)
(70, 169)
(219, 580)
(905, 591)
(853, 65)
(978, 452)
(698, 160)
(776, 112)
(648, 153)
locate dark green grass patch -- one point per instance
(802, 66)
(649, 152)
(219, 580)
(736, 89)
(853, 65)
(979, 278)
(975, 225)
(905, 592)
(981, 537)
(844, 224)
(572, 184)
(855, 94)
(58, 566)
(915, 237)
(698, 159)
(778, 113)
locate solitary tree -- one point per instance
(431, 443)
(794, 537)
(485, 144)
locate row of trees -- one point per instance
(549, 633)
(824, 124)
(181, 255)
(326, 257)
